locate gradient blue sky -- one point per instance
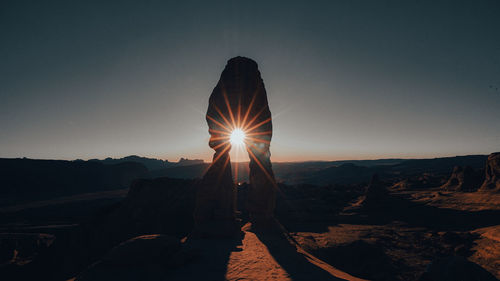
(345, 79)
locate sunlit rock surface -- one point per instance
(492, 175)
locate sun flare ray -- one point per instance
(249, 108)
(217, 122)
(259, 140)
(221, 154)
(219, 132)
(260, 133)
(223, 117)
(253, 119)
(228, 105)
(259, 124)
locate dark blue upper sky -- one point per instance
(345, 79)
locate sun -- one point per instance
(237, 137)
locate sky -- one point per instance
(345, 79)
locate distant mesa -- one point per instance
(151, 163)
(492, 173)
(188, 162)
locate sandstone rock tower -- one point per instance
(238, 101)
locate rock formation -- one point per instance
(492, 173)
(419, 181)
(144, 257)
(33, 180)
(455, 268)
(238, 100)
(464, 179)
(376, 194)
(152, 206)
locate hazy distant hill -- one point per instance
(150, 163)
(338, 172)
(441, 165)
(28, 179)
(322, 171)
(343, 174)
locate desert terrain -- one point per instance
(387, 220)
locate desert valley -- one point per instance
(390, 219)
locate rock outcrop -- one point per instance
(376, 195)
(238, 101)
(492, 173)
(22, 248)
(152, 206)
(419, 181)
(146, 257)
(455, 268)
(464, 179)
(162, 205)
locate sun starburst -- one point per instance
(237, 137)
(241, 131)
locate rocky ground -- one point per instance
(391, 229)
(377, 245)
(251, 256)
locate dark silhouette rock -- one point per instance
(25, 180)
(376, 195)
(160, 205)
(22, 248)
(145, 257)
(464, 179)
(238, 101)
(455, 268)
(152, 206)
(366, 260)
(492, 173)
(143, 249)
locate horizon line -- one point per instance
(292, 161)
